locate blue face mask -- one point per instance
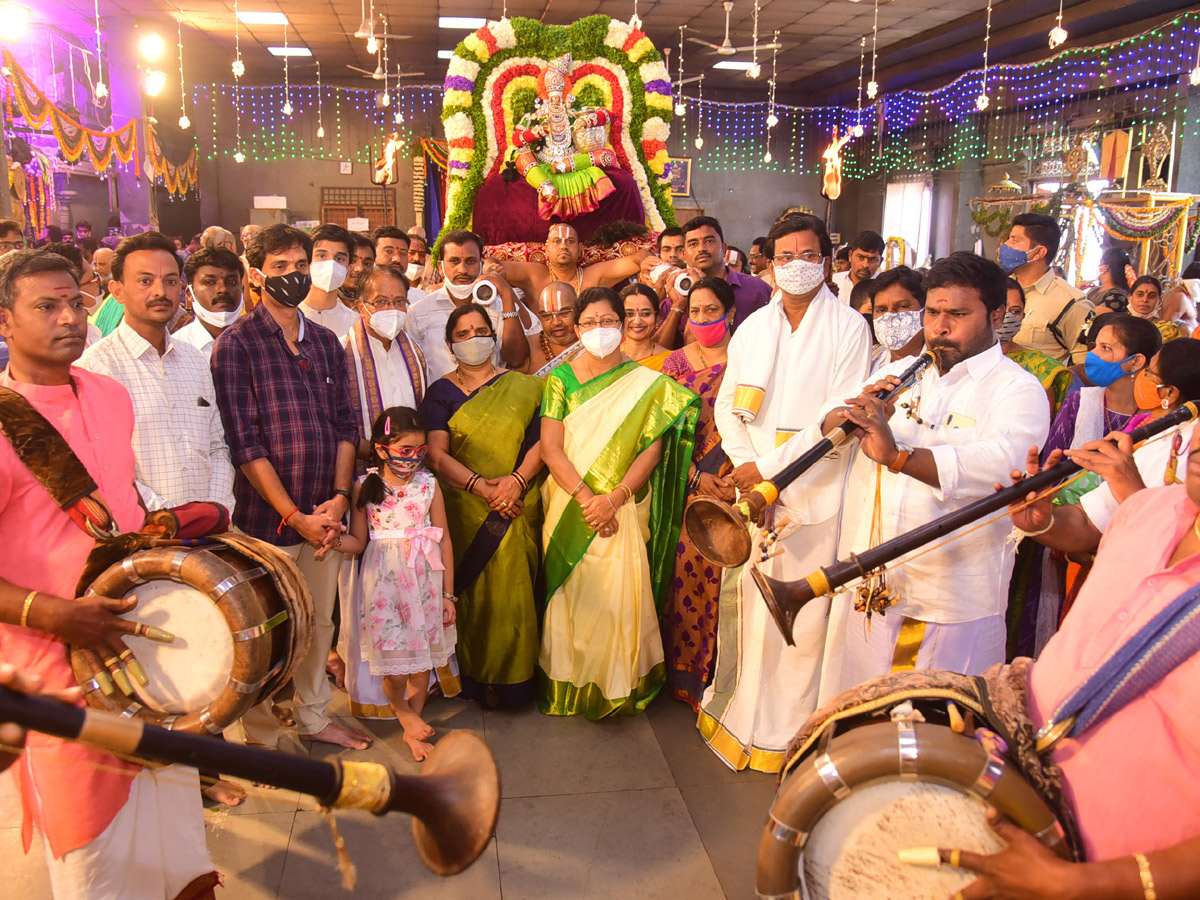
(1011, 258)
(1101, 372)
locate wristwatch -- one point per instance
(340, 493)
(901, 459)
(510, 315)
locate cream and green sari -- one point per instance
(601, 650)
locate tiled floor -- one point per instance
(636, 808)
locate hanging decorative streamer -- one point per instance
(239, 69)
(1141, 223)
(873, 85)
(700, 113)
(982, 101)
(754, 71)
(287, 87)
(74, 139)
(772, 119)
(101, 89)
(176, 179)
(320, 104)
(680, 106)
(857, 131)
(184, 121)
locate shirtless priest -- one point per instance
(562, 264)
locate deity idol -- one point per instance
(559, 148)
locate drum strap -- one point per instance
(1163, 643)
(50, 459)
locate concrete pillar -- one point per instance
(970, 185)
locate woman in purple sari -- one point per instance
(689, 616)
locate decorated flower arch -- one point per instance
(492, 82)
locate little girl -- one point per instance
(404, 595)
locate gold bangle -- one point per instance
(1143, 865)
(628, 493)
(578, 488)
(25, 609)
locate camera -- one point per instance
(683, 281)
(485, 293)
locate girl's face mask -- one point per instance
(404, 461)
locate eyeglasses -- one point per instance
(405, 452)
(387, 303)
(567, 313)
(610, 322)
(809, 256)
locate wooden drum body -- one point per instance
(241, 616)
(869, 786)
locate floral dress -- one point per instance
(400, 586)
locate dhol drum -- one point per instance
(241, 614)
(899, 773)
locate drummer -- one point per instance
(110, 828)
(1132, 776)
(965, 421)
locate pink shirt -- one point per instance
(1134, 779)
(71, 791)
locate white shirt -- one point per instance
(825, 358)
(426, 325)
(197, 335)
(980, 419)
(1151, 461)
(395, 380)
(844, 285)
(178, 441)
(339, 318)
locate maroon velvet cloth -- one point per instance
(508, 211)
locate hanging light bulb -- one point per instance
(982, 102)
(101, 91)
(857, 131)
(372, 45)
(184, 121)
(772, 120)
(680, 108)
(754, 70)
(385, 99)
(286, 109)
(699, 143)
(1058, 36)
(872, 89)
(398, 118)
(767, 156)
(239, 157)
(320, 131)
(239, 68)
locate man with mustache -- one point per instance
(865, 254)
(178, 441)
(111, 828)
(961, 428)
(556, 343)
(704, 255)
(214, 281)
(361, 260)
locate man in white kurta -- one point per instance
(785, 362)
(959, 431)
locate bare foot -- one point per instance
(414, 725)
(419, 748)
(335, 667)
(341, 735)
(227, 792)
(283, 715)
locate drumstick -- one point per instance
(928, 857)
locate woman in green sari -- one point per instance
(483, 447)
(1056, 379)
(617, 439)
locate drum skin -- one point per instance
(262, 663)
(872, 753)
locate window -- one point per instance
(907, 212)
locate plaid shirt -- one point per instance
(292, 410)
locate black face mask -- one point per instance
(290, 289)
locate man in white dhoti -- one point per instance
(785, 362)
(959, 431)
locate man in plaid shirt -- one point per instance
(285, 402)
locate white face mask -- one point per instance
(213, 317)
(413, 272)
(895, 329)
(457, 291)
(1009, 327)
(387, 322)
(600, 342)
(799, 277)
(474, 351)
(327, 274)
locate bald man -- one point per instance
(214, 236)
(557, 307)
(562, 264)
(102, 265)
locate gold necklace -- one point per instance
(700, 354)
(577, 281)
(461, 383)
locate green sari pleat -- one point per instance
(497, 613)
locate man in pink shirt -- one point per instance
(112, 830)
(1132, 779)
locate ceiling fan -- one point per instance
(378, 74)
(726, 48)
(678, 83)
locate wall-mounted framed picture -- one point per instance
(681, 176)
(346, 167)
